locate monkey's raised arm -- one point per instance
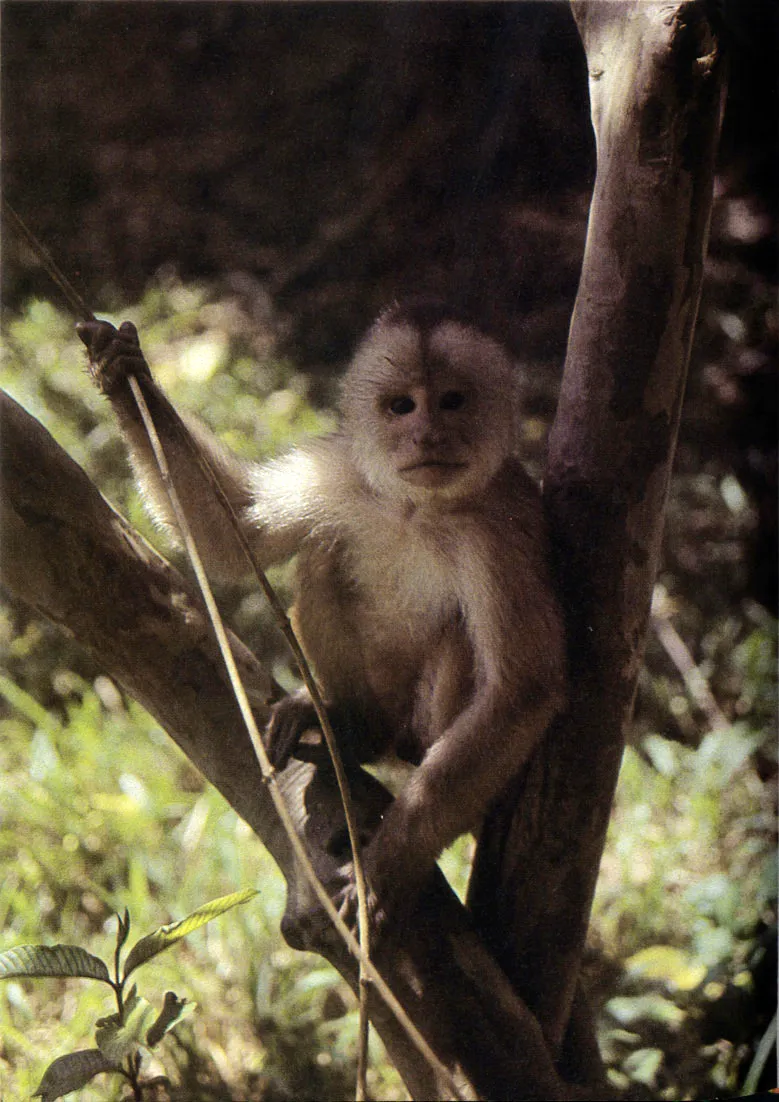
(114, 356)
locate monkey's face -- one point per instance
(427, 431)
(429, 410)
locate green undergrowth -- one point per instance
(100, 812)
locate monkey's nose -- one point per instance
(429, 435)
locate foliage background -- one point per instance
(249, 183)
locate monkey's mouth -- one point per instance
(431, 472)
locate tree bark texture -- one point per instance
(656, 86)
(657, 91)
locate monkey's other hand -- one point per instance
(114, 354)
(290, 718)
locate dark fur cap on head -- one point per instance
(425, 312)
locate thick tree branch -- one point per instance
(656, 78)
(656, 86)
(69, 555)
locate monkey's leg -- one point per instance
(459, 777)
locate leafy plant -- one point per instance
(124, 1038)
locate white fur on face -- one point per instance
(396, 357)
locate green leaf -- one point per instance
(119, 1039)
(52, 960)
(123, 929)
(71, 1073)
(174, 1010)
(664, 962)
(663, 755)
(28, 706)
(652, 1008)
(643, 1065)
(166, 936)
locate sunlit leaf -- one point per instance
(52, 960)
(663, 754)
(713, 944)
(654, 1008)
(729, 749)
(27, 705)
(71, 1073)
(666, 963)
(643, 1065)
(166, 936)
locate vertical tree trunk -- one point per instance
(656, 88)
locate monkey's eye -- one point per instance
(451, 400)
(402, 405)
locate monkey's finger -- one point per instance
(127, 331)
(96, 335)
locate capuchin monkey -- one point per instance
(424, 597)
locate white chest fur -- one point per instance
(405, 566)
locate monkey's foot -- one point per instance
(347, 902)
(114, 354)
(394, 888)
(312, 929)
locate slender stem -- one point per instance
(367, 967)
(73, 298)
(283, 621)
